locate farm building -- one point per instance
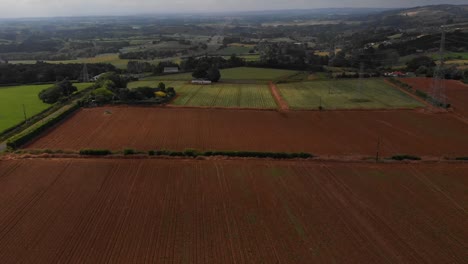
(171, 70)
(95, 78)
(203, 82)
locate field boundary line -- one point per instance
(419, 99)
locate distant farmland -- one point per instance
(235, 74)
(13, 98)
(346, 94)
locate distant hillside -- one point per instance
(425, 15)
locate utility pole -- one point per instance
(378, 150)
(361, 77)
(84, 74)
(437, 94)
(24, 113)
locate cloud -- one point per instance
(41, 8)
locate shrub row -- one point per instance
(244, 154)
(22, 138)
(405, 157)
(461, 158)
(401, 84)
(95, 152)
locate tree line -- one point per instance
(42, 72)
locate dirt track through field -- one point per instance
(279, 100)
(322, 133)
(182, 211)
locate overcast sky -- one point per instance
(41, 8)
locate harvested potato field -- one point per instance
(321, 133)
(187, 211)
(456, 92)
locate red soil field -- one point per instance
(320, 133)
(456, 91)
(238, 211)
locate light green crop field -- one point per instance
(217, 95)
(12, 100)
(346, 94)
(235, 74)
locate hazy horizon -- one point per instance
(57, 8)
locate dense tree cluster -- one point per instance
(207, 72)
(113, 87)
(193, 63)
(60, 90)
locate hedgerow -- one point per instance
(95, 152)
(405, 157)
(22, 138)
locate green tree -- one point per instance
(213, 74)
(162, 86)
(417, 62)
(61, 89)
(102, 95)
(200, 73)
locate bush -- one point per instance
(461, 158)
(95, 152)
(190, 153)
(160, 94)
(421, 94)
(151, 153)
(102, 95)
(129, 152)
(405, 157)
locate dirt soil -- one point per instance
(179, 211)
(321, 133)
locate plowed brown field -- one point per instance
(181, 211)
(321, 133)
(456, 91)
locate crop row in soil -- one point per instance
(321, 133)
(176, 211)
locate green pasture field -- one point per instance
(13, 98)
(346, 94)
(217, 95)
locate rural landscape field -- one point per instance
(231, 211)
(312, 133)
